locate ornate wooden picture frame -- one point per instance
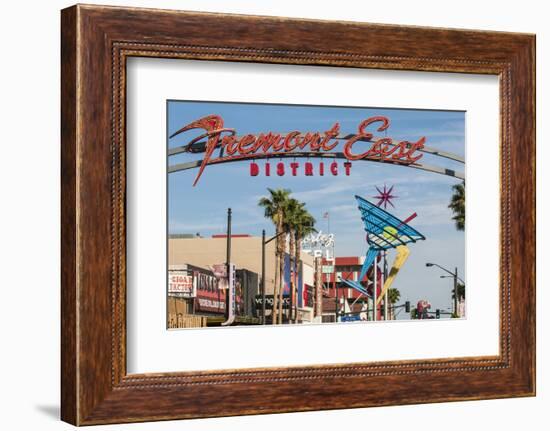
(96, 41)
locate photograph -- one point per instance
(275, 215)
(284, 214)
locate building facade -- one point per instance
(194, 257)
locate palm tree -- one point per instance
(292, 212)
(292, 219)
(457, 205)
(298, 223)
(305, 226)
(460, 291)
(274, 209)
(393, 296)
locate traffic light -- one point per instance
(408, 306)
(437, 314)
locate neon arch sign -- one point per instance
(266, 145)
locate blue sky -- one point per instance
(203, 208)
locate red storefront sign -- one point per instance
(272, 144)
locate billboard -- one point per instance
(209, 297)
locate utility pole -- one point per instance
(273, 310)
(228, 262)
(318, 288)
(336, 300)
(384, 277)
(375, 289)
(263, 277)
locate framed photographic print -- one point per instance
(290, 207)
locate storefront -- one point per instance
(195, 299)
(192, 251)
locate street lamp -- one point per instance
(455, 277)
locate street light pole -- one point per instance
(455, 300)
(456, 278)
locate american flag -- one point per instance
(325, 215)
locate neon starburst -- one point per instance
(385, 196)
